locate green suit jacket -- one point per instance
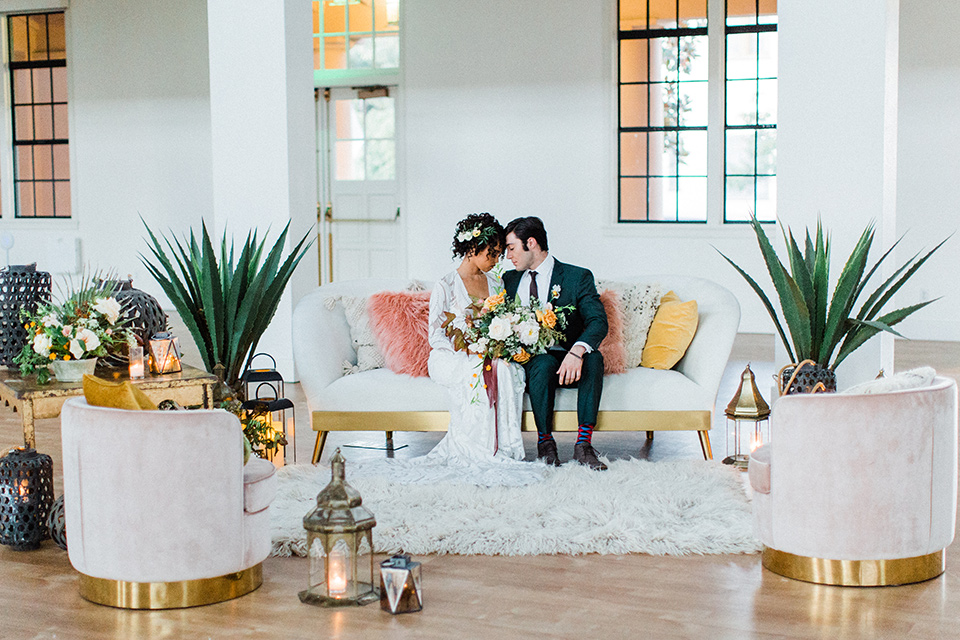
(588, 320)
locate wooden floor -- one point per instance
(544, 597)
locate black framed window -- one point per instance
(663, 83)
(38, 88)
(750, 135)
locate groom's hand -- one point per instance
(569, 371)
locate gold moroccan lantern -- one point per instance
(339, 545)
(748, 416)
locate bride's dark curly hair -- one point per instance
(484, 233)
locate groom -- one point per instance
(577, 361)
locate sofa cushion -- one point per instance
(115, 395)
(913, 379)
(671, 333)
(364, 343)
(400, 320)
(259, 484)
(639, 305)
(612, 346)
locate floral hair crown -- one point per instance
(481, 234)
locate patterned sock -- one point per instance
(544, 437)
(584, 433)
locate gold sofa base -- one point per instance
(855, 573)
(390, 421)
(170, 595)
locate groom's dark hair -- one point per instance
(526, 228)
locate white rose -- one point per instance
(529, 332)
(109, 307)
(86, 340)
(483, 343)
(500, 328)
(42, 344)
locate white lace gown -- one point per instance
(483, 444)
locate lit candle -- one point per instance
(24, 490)
(136, 362)
(337, 572)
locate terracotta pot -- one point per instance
(808, 378)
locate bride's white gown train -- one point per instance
(483, 444)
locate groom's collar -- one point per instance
(545, 266)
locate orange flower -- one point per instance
(494, 301)
(53, 356)
(521, 356)
(66, 357)
(547, 318)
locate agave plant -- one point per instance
(226, 303)
(819, 330)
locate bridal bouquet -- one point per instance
(500, 328)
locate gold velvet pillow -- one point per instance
(116, 395)
(671, 332)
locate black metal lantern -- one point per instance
(26, 495)
(265, 401)
(339, 545)
(400, 585)
(21, 287)
(746, 409)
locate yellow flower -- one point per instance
(66, 357)
(521, 356)
(53, 356)
(476, 232)
(488, 367)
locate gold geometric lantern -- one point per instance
(747, 419)
(165, 353)
(339, 545)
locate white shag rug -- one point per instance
(660, 508)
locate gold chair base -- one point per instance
(170, 595)
(855, 573)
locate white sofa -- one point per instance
(859, 490)
(161, 512)
(379, 400)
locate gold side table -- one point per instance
(35, 402)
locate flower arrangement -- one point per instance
(481, 233)
(501, 328)
(87, 324)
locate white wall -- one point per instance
(928, 194)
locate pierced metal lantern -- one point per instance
(57, 524)
(265, 401)
(400, 585)
(339, 545)
(26, 495)
(21, 287)
(165, 353)
(748, 418)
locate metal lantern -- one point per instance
(57, 524)
(165, 353)
(264, 393)
(26, 495)
(747, 416)
(339, 545)
(139, 312)
(400, 585)
(21, 287)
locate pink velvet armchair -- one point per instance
(161, 512)
(859, 489)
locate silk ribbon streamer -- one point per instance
(490, 383)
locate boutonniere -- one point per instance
(555, 292)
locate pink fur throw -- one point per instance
(399, 321)
(613, 349)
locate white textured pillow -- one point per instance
(364, 343)
(913, 379)
(639, 302)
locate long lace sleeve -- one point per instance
(439, 302)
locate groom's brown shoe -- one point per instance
(584, 453)
(547, 451)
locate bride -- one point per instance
(483, 445)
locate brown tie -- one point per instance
(533, 287)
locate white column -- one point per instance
(263, 132)
(837, 133)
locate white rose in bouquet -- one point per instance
(500, 328)
(50, 320)
(86, 340)
(528, 332)
(109, 307)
